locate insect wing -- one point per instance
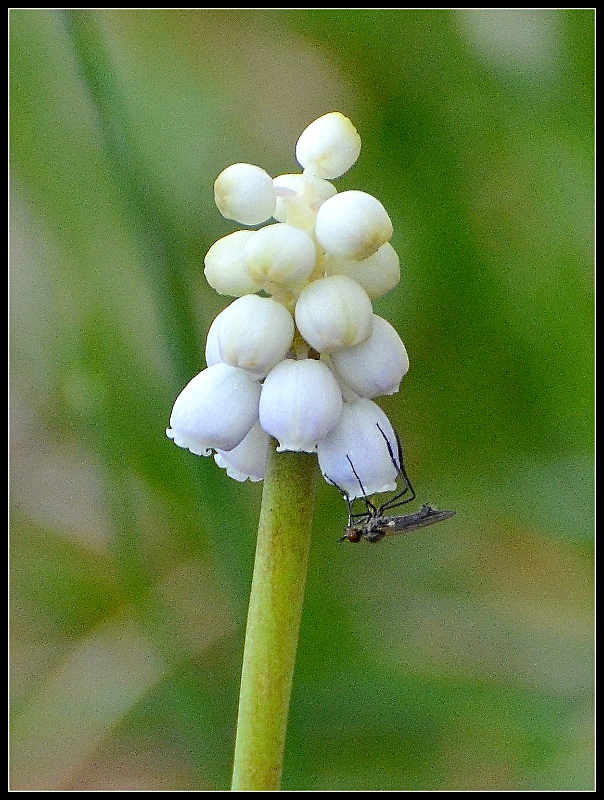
(413, 522)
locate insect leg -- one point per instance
(371, 510)
(400, 468)
(352, 516)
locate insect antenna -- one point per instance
(396, 501)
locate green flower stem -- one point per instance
(273, 619)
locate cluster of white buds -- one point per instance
(299, 355)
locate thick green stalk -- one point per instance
(274, 620)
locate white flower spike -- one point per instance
(301, 364)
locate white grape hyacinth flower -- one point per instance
(280, 256)
(353, 225)
(299, 197)
(300, 403)
(376, 366)
(245, 193)
(329, 146)
(254, 333)
(215, 410)
(358, 441)
(333, 312)
(226, 268)
(247, 461)
(378, 274)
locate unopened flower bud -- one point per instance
(329, 146)
(300, 404)
(253, 333)
(280, 255)
(225, 267)
(333, 312)
(376, 366)
(244, 193)
(377, 274)
(352, 225)
(215, 410)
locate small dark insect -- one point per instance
(372, 524)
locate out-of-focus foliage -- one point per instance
(459, 658)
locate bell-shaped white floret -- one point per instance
(377, 274)
(300, 404)
(280, 255)
(333, 312)
(215, 410)
(358, 441)
(225, 267)
(253, 333)
(247, 461)
(244, 193)
(376, 366)
(329, 146)
(352, 225)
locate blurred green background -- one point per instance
(459, 658)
